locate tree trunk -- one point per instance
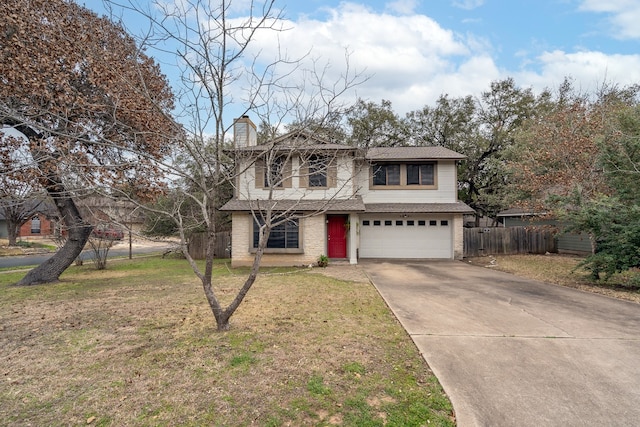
(222, 319)
(12, 232)
(78, 234)
(16, 216)
(223, 315)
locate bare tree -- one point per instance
(100, 244)
(218, 70)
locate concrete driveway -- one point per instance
(516, 352)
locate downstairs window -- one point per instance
(282, 236)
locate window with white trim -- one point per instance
(35, 225)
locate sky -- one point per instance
(414, 51)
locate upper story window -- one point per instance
(318, 166)
(318, 171)
(421, 174)
(415, 175)
(273, 174)
(386, 174)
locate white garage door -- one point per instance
(388, 236)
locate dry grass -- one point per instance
(136, 345)
(558, 270)
(25, 247)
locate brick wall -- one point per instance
(46, 227)
(313, 243)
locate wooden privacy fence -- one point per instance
(509, 241)
(198, 245)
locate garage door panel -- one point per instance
(405, 240)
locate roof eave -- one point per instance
(409, 159)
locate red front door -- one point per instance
(337, 236)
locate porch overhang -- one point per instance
(406, 208)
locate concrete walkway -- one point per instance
(516, 352)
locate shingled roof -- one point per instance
(457, 207)
(304, 205)
(299, 140)
(344, 205)
(412, 153)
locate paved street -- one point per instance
(121, 249)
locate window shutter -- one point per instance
(332, 173)
(259, 173)
(286, 174)
(304, 173)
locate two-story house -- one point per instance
(343, 202)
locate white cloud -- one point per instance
(467, 4)
(402, 7)
(411, 59)
(624, 15)
(588, 69)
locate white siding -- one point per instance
(344, 185)
(446, 191)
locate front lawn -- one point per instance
(136, 345)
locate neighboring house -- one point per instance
(42, 221)
(39, 225)
(576, 243)
(348, 203)
(122, 215)
(99, 211)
